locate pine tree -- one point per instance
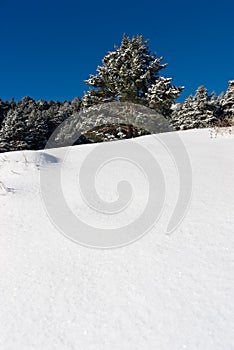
(227, 100)
(201, 98)
(199, 111)
(24, 128)
(5, 106)
(183, 114)
(130, 74)
(28, 124)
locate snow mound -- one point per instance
(33, 158)
(162, 292)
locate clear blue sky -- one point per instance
(49, 47)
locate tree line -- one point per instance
(129, 74)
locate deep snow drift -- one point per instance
(161, 292)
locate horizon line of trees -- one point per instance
(128, 74)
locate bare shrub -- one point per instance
(223, 127)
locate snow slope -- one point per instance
(162, 292)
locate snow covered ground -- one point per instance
(162, 292)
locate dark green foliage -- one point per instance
(227, 100)
(28, 124)
(131, 74)
(24, 127)
(5, 106)
(199, 111)
(112, 132)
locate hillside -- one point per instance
(164, 291)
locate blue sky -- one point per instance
(49, 47)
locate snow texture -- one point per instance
(162, 292)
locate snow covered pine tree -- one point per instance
(200, 111)
(130, 74)
(228, 100)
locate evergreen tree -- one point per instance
(199, 111)
(24, 128)
(183, 114)
(201, 98)
(28, 124)
(130, 74)
(5, 106)
(227, 100)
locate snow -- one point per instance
(161, 292)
